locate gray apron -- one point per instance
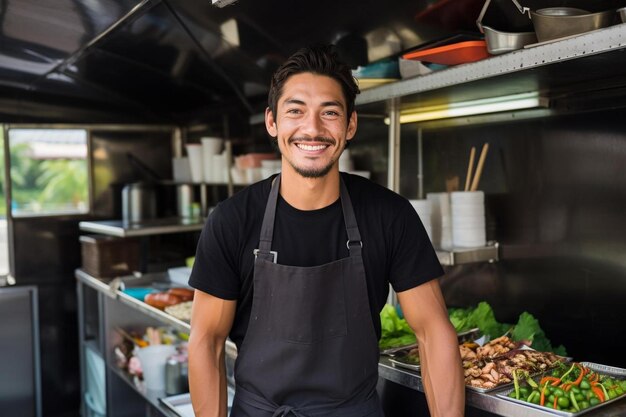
(310, 349)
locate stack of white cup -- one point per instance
(214, 161)
(441, 219)
(468, 219)
(424, 211)
(194, 152)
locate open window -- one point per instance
(48, 171)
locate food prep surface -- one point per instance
(493, 401)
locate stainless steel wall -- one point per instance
(46, 252)
(556, 201)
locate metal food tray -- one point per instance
(566, 359)
(398, 360)
(468, 335)
(606, 369)
(485, 390)
(602, 369)
(179, 404)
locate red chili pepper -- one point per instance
(548, 379)
(598, 393)
(580, 377)
(556, 399)
(542, 399)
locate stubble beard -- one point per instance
(313, 172)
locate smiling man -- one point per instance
(296, 268)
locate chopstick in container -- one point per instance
(470, 168)
(479, 168)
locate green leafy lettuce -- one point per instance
(527, 328)
(395, 331)
(483, 317)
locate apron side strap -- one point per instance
(348, 214)
(267, 227)
(354, 243)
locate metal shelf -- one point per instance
(459, 256)
(120, 228)
(153, 397)
(590, 61)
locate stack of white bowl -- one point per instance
(468, 219)
(441, 219)
(424, 211)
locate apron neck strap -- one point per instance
(267, 228)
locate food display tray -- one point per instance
(179, 404)
(468, 335)
(602, 369)
(398, 360)
(508, 385)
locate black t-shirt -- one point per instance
(396, 248)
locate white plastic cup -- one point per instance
(440, 218)
(153, 359)
(238, 175)
(194, 151)
(212, 145)
(181, 171)
(218, 168)
(467, 197)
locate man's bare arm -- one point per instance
(442, 373)
(211, 321)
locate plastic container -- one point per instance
(153, 359)
(453, 54)
(180, 275)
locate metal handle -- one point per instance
(522, 10)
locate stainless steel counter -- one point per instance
(147, 228)
(488, 402)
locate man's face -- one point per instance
(311, 124)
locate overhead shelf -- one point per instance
(120, 228)
(459, 256)
(594, 60)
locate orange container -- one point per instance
(453, 54)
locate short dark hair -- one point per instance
(321, 60)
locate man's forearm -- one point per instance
(442, 375)
(207, 379)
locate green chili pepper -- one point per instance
(573, 398)
(606, 394)
(568, 372)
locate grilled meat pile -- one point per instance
(494, 363)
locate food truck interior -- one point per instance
(130, 83)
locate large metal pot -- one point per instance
(558, 22)
(622, 14)
(138, 202)
(499, 42)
